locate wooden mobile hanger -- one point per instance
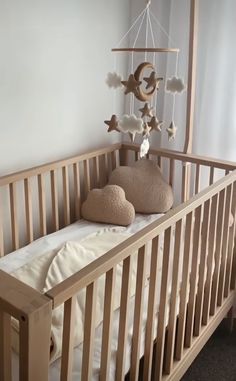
(146, 49)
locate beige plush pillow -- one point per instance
(144, 187)
(108, 205)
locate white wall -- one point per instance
(215, 112)
(215, 119)
(55, 55)
(179, 32)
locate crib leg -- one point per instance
(35, 336)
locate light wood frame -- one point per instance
(200, 225)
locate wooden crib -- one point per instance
(46, 198)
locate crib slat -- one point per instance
(77, 189)
(229, 271)
(202, 268)
(103, 170)
(138, 311)
(123, 331)
(35, 336)
(42, 205)
(184, 176)
(173, 301)
(163, 306)
(184, 287)
(210, 259)
(186, 169)
(14, 217)
(172, 172)
(148, 351)
(1, 231)
(107, 324)
(54, 196)
(87, 185)
(96, 172)
(113, 160)
(68, 339)
(89, 331)
(233, 274)
(66, 195)
(197, 178)
(211, 179)
(107, 166)
(28, 210)
(228, 206)
(5, 346)
(219, 239)
(194, 277)
(123, 156)
(136, 156)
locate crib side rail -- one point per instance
(100, 266)
(35, 171)
(204, 233)
(188, 174)
(184, 157)
(44, 199)
(33, 313)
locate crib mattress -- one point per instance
(78, 231)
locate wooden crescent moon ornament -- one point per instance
(140, 94)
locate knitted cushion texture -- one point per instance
(108, 205)
(144, 187)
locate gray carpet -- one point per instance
(217, 360)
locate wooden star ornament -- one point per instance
(172, 131)
(131, 85)
(153, 80)
(155, 124)
(146, 110)
(146, 130)
(112, 123)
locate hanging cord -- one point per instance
(163, 29)
(132, 58)
(177, 64)
(132, 26)
(114, 90)
(137, 36)
(146, 35)
(174, 96)
(154, 102)
(152, 34)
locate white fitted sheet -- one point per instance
(54, 241)
(73, 232)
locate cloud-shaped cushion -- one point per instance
(108, 205)
(144, 187)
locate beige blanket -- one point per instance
(48, 270)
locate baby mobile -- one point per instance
(143, 84)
